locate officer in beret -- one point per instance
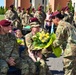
(66, 38)
(9, 52)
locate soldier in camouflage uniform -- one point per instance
(68, 16)
(39, 14)
(42, 68)
(43, 13)
(12, 15)
(26, 17)
(9, 52)
(22, 13)
(66, 38)
(33, 11)
(18, 11)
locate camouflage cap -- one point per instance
(5, 23)
(34, 22)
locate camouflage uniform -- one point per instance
(13, 16)
(28, 39)
(40, 18)
(66, 37)
(68, 17)
(9, 48)
(43, 69)
(25, 19)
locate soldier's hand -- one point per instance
(11, 61)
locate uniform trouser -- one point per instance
(24, 65)
(70, 65)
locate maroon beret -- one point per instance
(34, 19)
(33, 9)
(67, 8)
(40, 6)
(63, 9)
(28, 9)
(19, 7)
(57, 14)
(5, 23)
(39, 9)
(23, 9)
(54, 14)
(11, 6)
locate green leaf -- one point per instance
(53, 36)
(49, 43)
(57, 51)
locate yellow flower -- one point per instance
(47, 34)
(42, 32)
(43, 40)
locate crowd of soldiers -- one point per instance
(30, 61)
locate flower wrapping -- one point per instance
(43, 40)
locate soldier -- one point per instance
(66, 38)
(39, 16)
(43, 13)
(33, 11)
(26, 17)
(12, 15)
(22, 13)
(35, 27)
(36, 55)
(68, 16)
(9, 52)
(18, 11)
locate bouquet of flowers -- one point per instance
(43, 40)
(20, 41)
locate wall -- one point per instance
(60, 3)
(7, 3)
(25, 4)
(52, 3)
